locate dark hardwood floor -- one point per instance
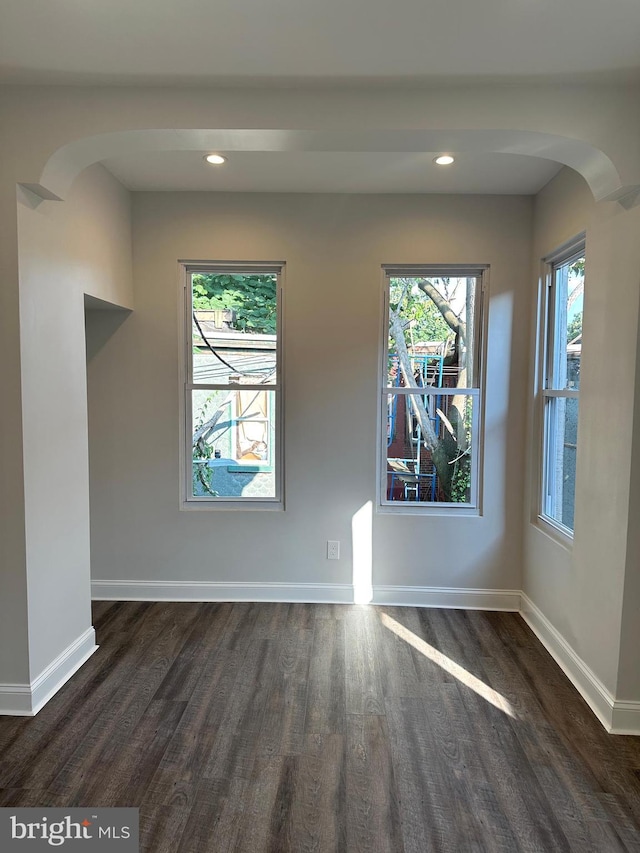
(276, 727)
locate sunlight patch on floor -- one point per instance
(448, 665)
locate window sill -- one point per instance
(552, 531)
(250, 469)
(446, 510)
(245, 505)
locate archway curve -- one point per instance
(594, 165)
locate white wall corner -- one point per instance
(25, 700)
(586, 682)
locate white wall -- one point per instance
(628, 687)
(14, 658)
(562, 210)
(579, 586)
(333, 247)
(66, 250)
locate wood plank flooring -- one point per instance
(277, 728)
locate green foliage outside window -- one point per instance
(574, 327)
(411, 305)
(252, 297)
(206, 428)
(461, 478)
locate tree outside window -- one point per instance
(233, 388)
(431, 389)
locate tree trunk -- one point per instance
(450, 317)
(459, 402)
(431, 440)
(404, 359)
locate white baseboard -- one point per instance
(448, 597)
(25, 700)
(625, 718)
(317, 593)
(125, 590)
(616, 716)
(15, 700)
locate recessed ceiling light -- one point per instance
(215, 159)
(443, 160)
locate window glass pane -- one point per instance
(561, 437)
(233, 443)
(431, 332)
(569, 296)
(429, 447)
(234, 324)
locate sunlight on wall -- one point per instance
(501, 323)
(362, 536)
(444, 662)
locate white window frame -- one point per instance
(548, 366)
(476, 391)
(189, 501)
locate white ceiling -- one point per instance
(300, 43)
(333, 171)
(293, 41)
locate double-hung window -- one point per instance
(233, 386)
(431, 399)
(562, 349)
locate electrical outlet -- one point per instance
(333, 550)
